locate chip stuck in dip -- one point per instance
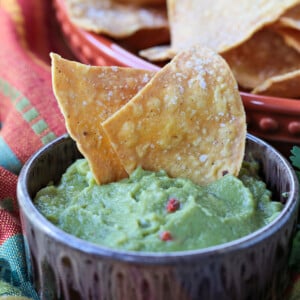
(178, 135)
(187, 119)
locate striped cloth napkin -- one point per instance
(29, 119)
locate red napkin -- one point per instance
(29, 117)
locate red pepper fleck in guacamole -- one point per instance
(150, 211)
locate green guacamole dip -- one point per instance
(151, 212)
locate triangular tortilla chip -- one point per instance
(291, 18)
(288, 26)
(87, 96)
(116, 19)
(263, 56)
(286, 86)
(220, 25)
(188, 120)
(291, 36)
(158, 53)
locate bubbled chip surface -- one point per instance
(188, 120)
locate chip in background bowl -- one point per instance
(115, 19)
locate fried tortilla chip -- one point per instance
(288, 26)
(291, 18)
(158, 53)
(263, 56)
(87, 96)
(290, 36)
(286, 86)
(115, 19)
(188, 120)
(220, 25)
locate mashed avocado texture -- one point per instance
(152, 212)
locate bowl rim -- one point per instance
(272, 104)
(27, 207)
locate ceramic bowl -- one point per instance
(273, 119)
(66, 267)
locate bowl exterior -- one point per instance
(66, 267)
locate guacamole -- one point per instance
(150, 211)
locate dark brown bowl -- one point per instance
(65, 267)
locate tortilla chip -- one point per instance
(220, 25)
(286, 85)
(188, 120)
(263, 56)
(87, 96)
(291, 18)
(158, 53)
(290, 36)
(115, 19)
(288, 26)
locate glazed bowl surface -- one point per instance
(276, 120)
(66, 267)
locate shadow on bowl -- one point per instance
(66, 267)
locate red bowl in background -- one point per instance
(276, 120)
